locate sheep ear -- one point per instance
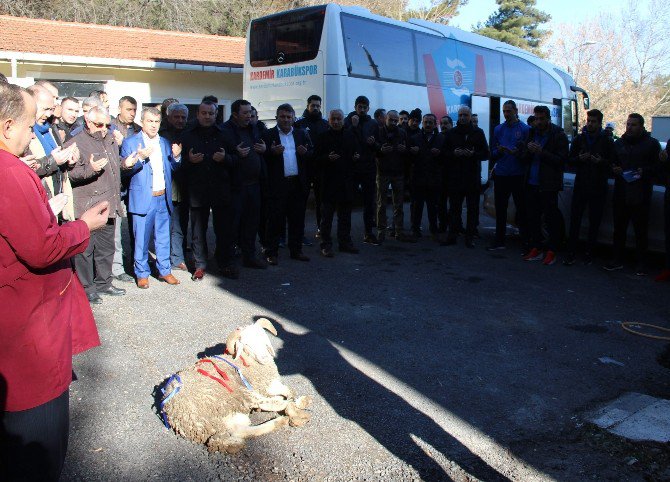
(239, 348)
(231, 342)
(265, 323)
(271, 350)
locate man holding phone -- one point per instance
(96, 177)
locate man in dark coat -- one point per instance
(335, 153)
(465, 149)
(635, 166)
(364, 128)
(289, 152)
(246, 146)
(544, 156)
(208, 170)
(314, 123)
(664, 159)
(591, 155)
(426, 174)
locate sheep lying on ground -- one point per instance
(217, 394)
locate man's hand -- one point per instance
(242, 151)
(220, 155)
(118, 137)
(400, 148)
(130, 161)
(30, 161)
(97, 216)
(302, 150)
(370, 140)
(195, 158)
(414, 149)
(617, 170)
(535, 148)
(260, 147)
(354, 120)
(276, 149)
(386, 148)
(145, 152)
(97, 165)
(585, 156)
(61, 156)
(597, 158)
(176, 150)
(458, 152)
(357, 156)
(435, 151)
(57, 203)
(75, 155)
(333, 156)
(663, 155)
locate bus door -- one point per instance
(481, 106)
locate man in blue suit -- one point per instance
(149, 161)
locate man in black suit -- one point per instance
(289, 152)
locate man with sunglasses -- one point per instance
(96, 177)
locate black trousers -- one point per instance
(637, 214)
(666, 213)
(247, 217)
(594, 198)
(223, 218)
(543, 203)
(289, 205)
(328, 209)
(443, 210)
(367, 181)
(316, 186)
(456, 198)
(33, 442)
(504, 187)
(430, 196)
(94, 266)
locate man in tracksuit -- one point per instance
(634, 169)
(545, 156)
(591, 154)
(508, 173)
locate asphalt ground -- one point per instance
(424, 362)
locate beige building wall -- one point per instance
(147, 86)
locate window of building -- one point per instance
(79, 88)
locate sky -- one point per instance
(561, 11)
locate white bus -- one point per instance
(340, 52)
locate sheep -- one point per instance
(214, 400)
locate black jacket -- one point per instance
(633, 154)
(248, 170)
(426, 168)
(367, 127)
(464, 173)
(392, 163)
(552, 160)
(208, 182)
(275, 163)
(336, 177)
(590, 174)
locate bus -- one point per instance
(341, 52)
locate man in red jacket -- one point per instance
(46, 317)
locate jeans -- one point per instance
(398, 193)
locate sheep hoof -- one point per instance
(303, 402)
(296, 416)
(218, 443)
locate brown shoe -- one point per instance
(143, 283)
(169, 279)
(198, 275)
(272, 260)
(181, 267)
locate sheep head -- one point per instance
(253, 340)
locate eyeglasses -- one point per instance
(100, 125)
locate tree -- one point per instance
(516, 22)
(438, 11)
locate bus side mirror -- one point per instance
(586, 102)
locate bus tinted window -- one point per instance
(286, 38)
(550, 88)
(426, 45)
(493, 69)
(522, 79)
(378, 50)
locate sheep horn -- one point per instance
(233, 338)
(265, 323)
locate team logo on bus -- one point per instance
(280, 57)
(458, 78)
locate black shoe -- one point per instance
(416, 233)
(254, 263)
(495, 247)
(476, 234)
(272, 260)
(230, 272)
(640, 270)
(569, 259)
(588, 259)
(348, 248)
(327, 253)
(317, 235)
(371, 239)
(94, 298)
(126, 278)
(613, 266)
(112, 291)
(469, 242)
(299, 257)
(306, 241)
(450, 241)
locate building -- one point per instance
(149, 65)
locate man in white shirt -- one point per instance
(149, 161)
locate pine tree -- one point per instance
(516, 22)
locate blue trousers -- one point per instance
(156, 221)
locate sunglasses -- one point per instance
(100, 125)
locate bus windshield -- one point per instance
(286, 38)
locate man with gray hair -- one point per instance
(148, 162)
(96, 177)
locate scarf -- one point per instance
(44, 136)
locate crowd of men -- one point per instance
(170, 174)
